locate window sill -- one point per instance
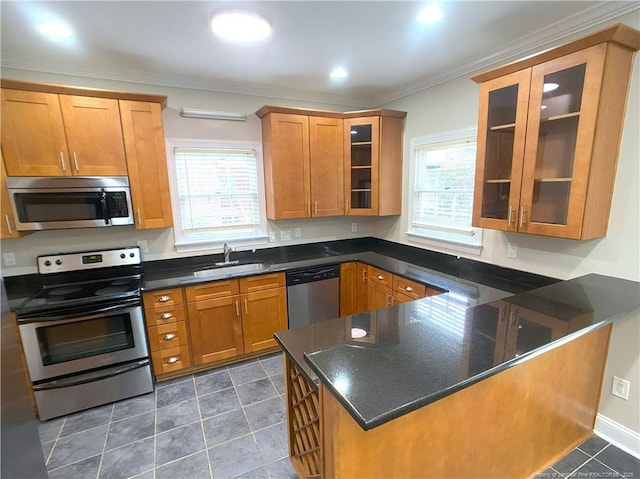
(215, 245)
(448, 244)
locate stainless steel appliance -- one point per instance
(43, 203)
(83, 332)
(313, 294)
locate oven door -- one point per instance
(59, 347)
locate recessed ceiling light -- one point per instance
(429, 15)
(547, 87)
(55, 30)
(240, 26)
(339, 73)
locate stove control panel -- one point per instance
(64, 262)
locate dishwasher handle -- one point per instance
(309, 275)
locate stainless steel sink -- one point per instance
(223, 270)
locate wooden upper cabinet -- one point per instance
(8, 223)
(33, 138)
(549, 135)
(94, 136)
(326, 166)
(146, 163)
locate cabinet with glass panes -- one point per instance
(549, 128)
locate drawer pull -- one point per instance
(380, 277)
(409, 289)
(169, 337)
(164, 299)
(172, 360)
(166, 315)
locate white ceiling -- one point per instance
(386, 52)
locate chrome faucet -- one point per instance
(226, 250)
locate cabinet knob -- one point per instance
(172, 360)
(164, 299)
(169, 337)
(380, 277)
(409, 289)
(166, 315)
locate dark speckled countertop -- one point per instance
(415, 353)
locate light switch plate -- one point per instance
(512, 250)
(285, 235)
(9, 259)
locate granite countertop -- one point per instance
(415, 353)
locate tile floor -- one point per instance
(224, 423)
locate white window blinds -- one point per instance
(218, 193)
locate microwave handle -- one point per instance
(105, 209)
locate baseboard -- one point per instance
(618, 435)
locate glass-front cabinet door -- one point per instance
(361, 165)
(501, 141)
(560, 132)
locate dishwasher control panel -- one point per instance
(315, 273)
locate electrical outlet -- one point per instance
(144, 247)
(285, 235)
(354, 227)
(9, 259)
(512, 250)
(272, 236)
(297, 232)
(620, 387)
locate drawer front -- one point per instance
(170, 314)
(262, 282)
(408, 287)
(168, 336)
(379, 276)
(162, 298)
(213, 290)
(170, 359)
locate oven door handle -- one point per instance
(94, 313)
(90, 377)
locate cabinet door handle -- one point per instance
(523, 212)
(169, 337)
(166, 315)
(164, 299)
(500, 315)
(409, 289)
(64, 168)
(389, 299)
(509, 219)
(380, 277)
(139, 216)
(364, 275)
(512, 318)
(8, 220)
(172, 360)
(315, 207)
(237, 308)
(246, 307)
(75, 161)
(309, 208)
(347, 206)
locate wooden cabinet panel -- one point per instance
(215, 289)
(379, 296)
(162, 298)
(326, 166)
(25, 153)
(163, 315)
(402, 298)
(168, 335)
(264, 313)
(362, 302)
(380, 276)
(7, 222)
(262, 282)
(146, 163)
(409, 288)
(171, 359)
(94, 136)
(348, 289)
(215, 327)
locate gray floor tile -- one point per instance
(594, 469)
(133, 406)
(273, 442)
(46, 449)
(282, 469)
(88, 419)
(147, 475)
(273, 365)
(260, 473)
(265, 413)
(234, 458)
(278, 382)
(130, 429)
(247, 372)
(175, 393)
(178, 443)
(619, 461)
(225, 427)
(593, 445)
(213, 382)
(195, 466)
(76, 447)
(49, 430)
(170, 382)
(218, 402)
(255, 391)
(571, 462)
(127, 461)
(85, 469)
(176, 415)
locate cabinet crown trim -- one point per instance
(265, 110)
(82, 91)
(619, 34)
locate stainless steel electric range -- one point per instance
(83, 332)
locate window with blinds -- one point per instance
(217, 194)
(442, 189)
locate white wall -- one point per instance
(453, 106)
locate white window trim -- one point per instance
(431, 238)
(182, 247)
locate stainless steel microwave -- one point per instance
(43, 203)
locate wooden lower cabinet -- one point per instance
(263, 313)
(385, 289)
(379, 296)
(353, 288)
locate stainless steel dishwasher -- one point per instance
(313, 294)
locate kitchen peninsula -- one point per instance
(435, 389)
